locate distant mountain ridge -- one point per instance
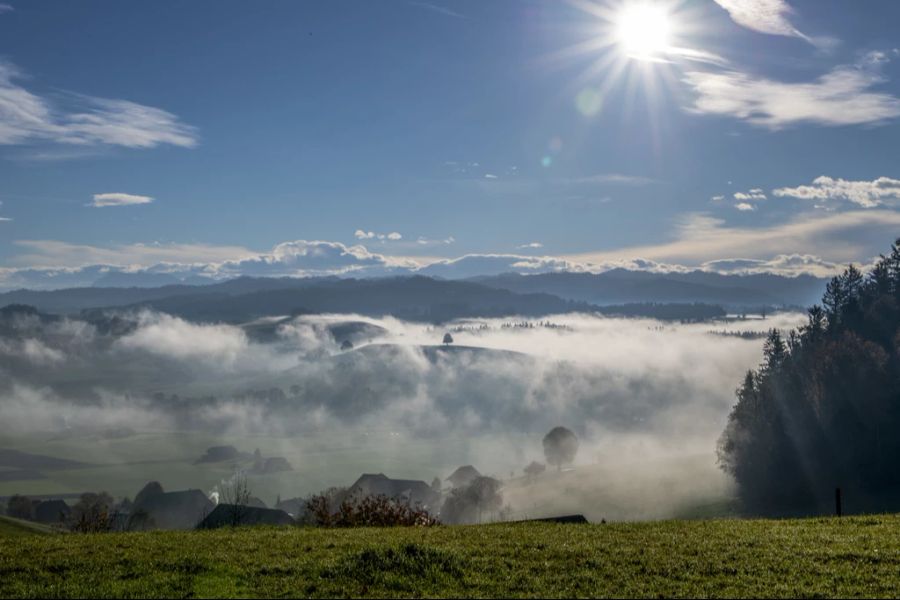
(421, 298)
(624, 286)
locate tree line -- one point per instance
(822, 410)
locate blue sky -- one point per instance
(295, 137)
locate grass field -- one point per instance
(850, 557)
(14, 528)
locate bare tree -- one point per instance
(235, 494)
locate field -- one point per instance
(850, 557)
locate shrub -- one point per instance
(367, 511)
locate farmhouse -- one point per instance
(227, 515)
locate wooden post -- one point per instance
(837, 501)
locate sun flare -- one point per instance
(643, 30)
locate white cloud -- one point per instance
(5, 8)
(84, 120)
(532, 245)
(361, 234)
(764, 16)
(744, 206)
(717, 198)
(490, 176)
(783, 264)
(867, 194)
(754, 194)
(119, 199)
(841, 97)
(836, 237)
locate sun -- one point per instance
(643, 30)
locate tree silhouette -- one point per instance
(821, 411)
(560, 447)
(448, 339)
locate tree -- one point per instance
(236, 494)
(448, 339)
(560, 447)
(468, 504)
(821, 409)
(93, 513)
(534, 469)
(347, 345)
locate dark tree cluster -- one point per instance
(823, 409)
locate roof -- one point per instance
(176, 510)
(379, 484)
(225, 515)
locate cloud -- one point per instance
(744, 206)
(783, 264)
(612, 178)
(764, 16)
(841, 97)
(5, 8)
(754, 194)
(80, 120)
(64, 255)
(438, 9)
(371, 235)
(867, 194)
(119, 199)
(490, 176)
(472, 265)
(717, 198)
(307, 258)
(837, 237)
(532, 245)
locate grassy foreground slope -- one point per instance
(11, 528)
(850, 557)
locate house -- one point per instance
(227, 515)
(463, 476)
(174, 510)
(416, 493)
(51, 511)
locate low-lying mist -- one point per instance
(339, 393)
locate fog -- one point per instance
(647, 399)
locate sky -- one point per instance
(217, 138)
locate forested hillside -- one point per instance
(822, 409)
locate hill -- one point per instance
(624, 286)
(851, 557)
(431, 299)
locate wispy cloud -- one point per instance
(81, 120)
(532, 246)
(438, 9)
(745, 206)
(837, 237)
(5, 8)
(119, 199)
(765, 16)
(842, 97)
(867, 194)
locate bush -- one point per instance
(367, 511)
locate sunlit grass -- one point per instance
(851, 557)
